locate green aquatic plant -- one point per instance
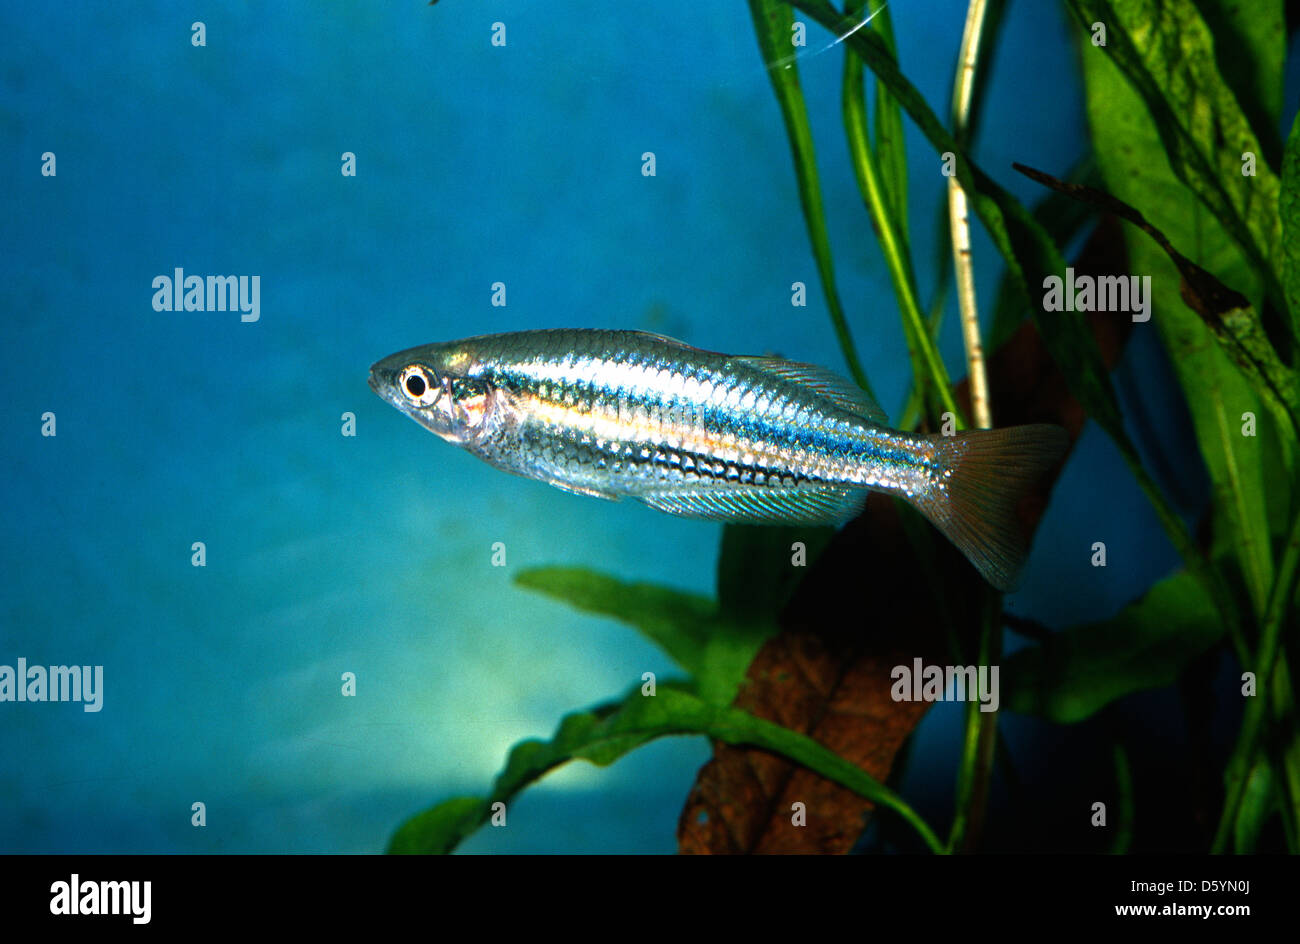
(1189, 181)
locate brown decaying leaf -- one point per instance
(867, 606)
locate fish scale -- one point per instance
(626, 414)
(661, 396)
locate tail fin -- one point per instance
(990, 470)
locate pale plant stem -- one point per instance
(959, 222)
(981, 731)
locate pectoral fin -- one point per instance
(583, 490)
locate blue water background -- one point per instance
(371, 554)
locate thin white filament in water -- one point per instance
(786, 61)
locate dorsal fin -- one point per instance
(845, 395)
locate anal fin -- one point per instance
(823, 504)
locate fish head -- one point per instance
(434, 386)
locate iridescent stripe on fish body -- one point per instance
(733, 438)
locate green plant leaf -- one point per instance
(711, 645)
(891, 149)
(1289, 206)
(871, 174)
(1286, 765)
(1031, 257)
(439, 829)
(677, 622)
(757, 571)
(603, 735)
(1167, 52)
(1248, 473)
(1250, 51)
(1146, 645)
(1137, 171)
(773, 22)
(1028, 251)
(713, 641)
(1257, 802)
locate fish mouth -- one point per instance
(383, 381)
(385, 371)
(383, 376)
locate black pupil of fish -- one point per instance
(415, 385)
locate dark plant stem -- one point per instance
(1124, 794)
(979, 748)
(1265, 671)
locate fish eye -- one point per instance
(419, 385)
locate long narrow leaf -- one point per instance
(773, 23)
(1079, 671)
(1167, 52)
(1289, 205)
(705, 641)
(891, 149)
(1031, 256)
(927, 366)
(604, 735)
(1218, 395)
(1026, 248)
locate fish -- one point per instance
(623, 414)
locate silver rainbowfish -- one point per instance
(625, 414)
